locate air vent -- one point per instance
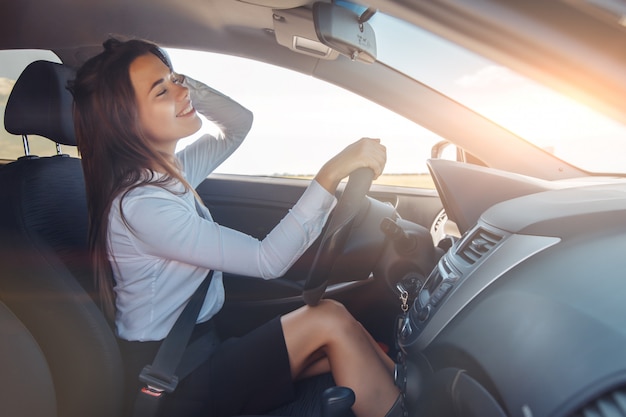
(478, 244)
(612, 404)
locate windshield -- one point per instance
(555, 123)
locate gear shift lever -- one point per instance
(336, 402)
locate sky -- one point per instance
(322, 121)
(551, 121)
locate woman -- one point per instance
(153, 243)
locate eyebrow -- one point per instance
(156, 83)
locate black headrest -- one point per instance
(41, 104)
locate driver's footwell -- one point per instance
(308, 402)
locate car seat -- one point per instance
(46, 195)
(25, 373)
(45, 278)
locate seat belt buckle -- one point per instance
(151, 391)
(155, 385)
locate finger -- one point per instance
(377, 165)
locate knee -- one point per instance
(332, 307)
(336, 316)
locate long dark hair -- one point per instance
(116, 156)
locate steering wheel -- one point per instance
(336, 234)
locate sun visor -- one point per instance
(295, 30)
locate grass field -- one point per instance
(407, 180)
(401, 180)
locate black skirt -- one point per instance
(244, 375)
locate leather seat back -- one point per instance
(45, 273)
(27, 387)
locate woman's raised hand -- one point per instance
(364, 153)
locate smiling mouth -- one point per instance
(186, 111)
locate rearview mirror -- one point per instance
(342, 30)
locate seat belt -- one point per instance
(166, 370)
(160, 377)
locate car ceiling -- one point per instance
(541, 38)
(57, 24)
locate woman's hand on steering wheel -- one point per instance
(364, 153)
(364, 161)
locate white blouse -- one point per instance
(164, 250)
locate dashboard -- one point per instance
(525, 315)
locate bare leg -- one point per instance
(319, 363)
(319, 367)
(389, 363)
(355, 359)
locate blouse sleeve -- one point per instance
(234, 121)
(183, 236)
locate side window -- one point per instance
(12, 63)
(300, 122)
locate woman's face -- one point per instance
(165, 111)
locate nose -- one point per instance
(182, 93)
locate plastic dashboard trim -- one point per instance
(510, 252)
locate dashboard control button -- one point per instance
(423, 313)
(440, 292)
